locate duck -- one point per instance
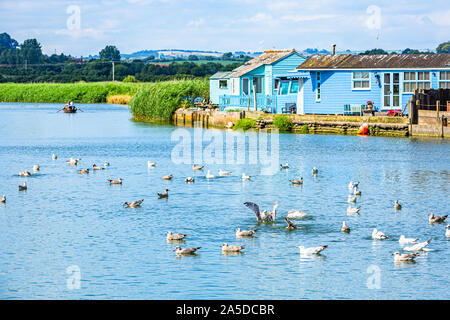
(314, 170)
(447, 231)
(169, 177)
(245, 233)
(224, 173)
(245, 177)
(175, 236)
(25, 173)
(83, 171)
(264, 216)
(36, 167)
(351, 210)
(406, 257)
(95, 167)
(23, 187)
(351, 199)
(3, 199)
(209, 175)
(186, 251)
(291, 225)
(54, 156)
(397, 206)
(418, 246)
(133, 204)
(118, 181)
(299, 181)
(433, 219)
(189, 180)
(231, 248)
(356, 192)
(151, 164)
(284, 166)
(196, 168)
(296, 214)
(378, 235)
(310, 251)
(165, 194)
(403, 240)
(106, 164)
(345, 228)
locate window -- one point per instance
(294, 86)
(318, 86)
(245, 83)
(416, 80)
(284, 88)
(361, 80)
(223, 84)
(257, 82)
(277, 84)
(444, 79)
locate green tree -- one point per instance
(374, 51)
(30, 50)
(110, 53)
(443, 47)
(7, 43)
(227, 56)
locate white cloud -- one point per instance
(196, 23)
(300, 18)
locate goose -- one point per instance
(25, 173)
(133, 204)
(180, 251)
(418, 246)
(36, 167)
(397, 206)
(447, 231)
(291, 225)
(406, 257)
(351, 199)
(432, 218)
(245, 177)
(105, 164)
(95, 167)
(54, 156)
(195, 168)
(352, 185)
(23, 187)
(284, 166)
(231, 248)
(378, 235)
(165, 194)
(356, 192)
(315, 170)
(209, 175)
(299, 181)
(151, 164)
(189, 180)
(264, 216)
(245, 233)
(83, 171)
(351, 210)
(224, 173)
(169, 177)
(296, 214)
(3, 199)
(404, 240)
(345, 228)
(174, 236)
(310, 251)
(118, 181)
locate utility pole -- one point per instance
(112, 71)
(25, 64)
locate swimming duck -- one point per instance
(165, 194)
(189, 180)
(95, 167)
(433, 219)
(3, 199)
(245, 233)
(169, 177)
(231, 248)
(25, 173)
(36, 167)
(133, 204)
(174, 236)
(83, 171)
(345, 228)
(315, 170)
(195, 168)
(397, 206)
(54, 156)
(186, 251)
(299, 181)
(118, 181)
(105, 164)
(23, 187)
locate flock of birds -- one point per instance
(411, 245)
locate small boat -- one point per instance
(70, 110)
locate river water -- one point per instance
(68, 236)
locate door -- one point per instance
(391, 90)
(300, 97)
(246, 86)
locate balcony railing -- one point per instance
(263, 102)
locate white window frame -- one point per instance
(318, 86)
(226, 81)
(416, 81)
(446, 79)
(361, 79)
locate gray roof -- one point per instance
(221, 75)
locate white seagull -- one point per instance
(296, 214)
(378, 235)
(351, 210)
(151, 164)
(209, 175)
(245, 177)
(310, 251)
(398, 257)
(404, 240)
(264, 216)
(245, 233)
(224, 173)
(417, 247)
(447, 232)
(352, 185)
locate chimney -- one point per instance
(334, 49)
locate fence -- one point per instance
(263, 102)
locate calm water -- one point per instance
(67, 219)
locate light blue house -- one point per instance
(267, 82)
(327, 83)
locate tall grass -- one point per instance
(158, 100)
(94, 92)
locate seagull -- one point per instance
(264, 216)
(418, 246)
(23, 187)
(195, 168)
(174, 236)
(169, 177)
(230, 248)
(245, 233)
(398, 257)
(432, 218)
(151, 164)
(36, 167)
(244, 177)
(404, 240)
(356, 192)
(296, 214)
(315, 170)
(291, 225)
(165, 194)
(180, 251)
(189, 180)
(309, 251)
(397, 205)
(73, 162)
(95, 167)
(3, 199)
(345, 228)
(351, 199)
(54, 156)
(447, 232)
(299, 181)
(105, 164)
(209, 175)
(352, 185)
(118, 181)
(83, 171)
(224, 173)
(351, 210)
(134, 204)
(284, 166)
(25, 173)
(378, 235)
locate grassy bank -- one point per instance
(93, 92)
(157, 101)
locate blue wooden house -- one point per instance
(343, 84)
(267, 82)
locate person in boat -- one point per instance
(71, 105)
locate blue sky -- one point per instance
(226, 25)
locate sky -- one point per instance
(84, 27)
